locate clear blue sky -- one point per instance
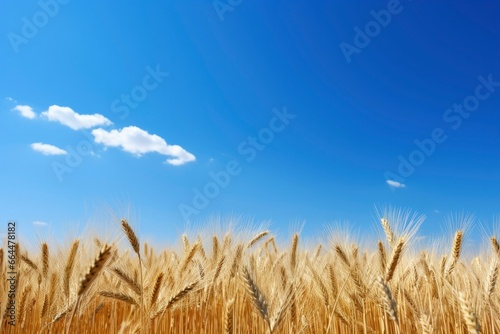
(306, 111)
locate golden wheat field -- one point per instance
(226, 284)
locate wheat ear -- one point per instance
(136, 246)
(496, 246)
(228, 317)
(131, 236)
(119, 296)
(258, 298)
(396, 255)
(174, 299)
(425, 324)
(185, 242)
(189, 256)
(388, 301)
(95, 269)
(389, 234)
(273, 242)
(455, 252)
(317, 251)
(133, 284)
(492, 279)
(68, 270)
(343, 256)
(90, 277)
(293, 254)
(27, 260)
(236, 260)
(156, 289)
(382, 256)
(469, 315)
(256, 238)
(215, 248)
(45, 260)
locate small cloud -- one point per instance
(437, 211)
(8, 98)
(25, 111)
(138, 142)
(47, 149)
(395, 184)
(40, 223)
(70, 118)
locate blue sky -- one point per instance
(302, 112)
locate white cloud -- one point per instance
(67, 116)
(395, 184)
(47, 149)
(25, 111)
(40, 223)
(8, 98)
(138, 142)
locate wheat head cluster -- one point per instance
(225, 284)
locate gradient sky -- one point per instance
(137, 103)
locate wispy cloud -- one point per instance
(395, 184)
(25, 111)
(47, 149)
(138, 142)
(40, 223)
(70, 118)
(8, 98)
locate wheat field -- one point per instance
(228, 284)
